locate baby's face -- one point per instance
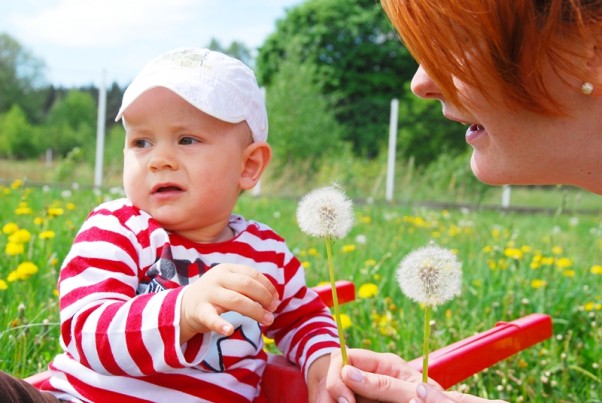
(182, 166)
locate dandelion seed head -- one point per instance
(430, 275)
(325, 213)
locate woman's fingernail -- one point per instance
(354, 374)
(342, 400)
(421, 391)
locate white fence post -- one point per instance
(392, 149)
(100, 131)
(506, 196)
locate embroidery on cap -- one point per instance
(186, 58)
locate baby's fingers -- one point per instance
(254, 285)
(229, 300)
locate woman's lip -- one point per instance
(473, 132)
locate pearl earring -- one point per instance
(587, 88)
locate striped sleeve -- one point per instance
(303, 327)
(105, 325)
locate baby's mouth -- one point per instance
(167, 189)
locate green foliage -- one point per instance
(113, 157)
(424, 133)
(236, 49)
(68, 165)
(72, 123)
(18, 138)
(303, 129)
(453, 173)
(356, 56)
(21, 79)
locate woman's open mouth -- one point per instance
(474, 130)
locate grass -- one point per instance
(514, 264)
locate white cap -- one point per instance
(212, 82)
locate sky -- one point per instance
(83, 42)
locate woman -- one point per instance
(526, 77)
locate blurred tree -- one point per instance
(18, 138)
(357, 57)
(72, 123)
(303, 127)
(236, 49)
(424, 133)
(22, 81)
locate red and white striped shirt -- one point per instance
(120, 293)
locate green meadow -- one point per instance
(514, 263)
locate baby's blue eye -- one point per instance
(141, 143)
(188, 140)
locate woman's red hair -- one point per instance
(499, 44)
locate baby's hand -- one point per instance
(226, 287)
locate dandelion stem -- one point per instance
(425, 346)
(335, 299)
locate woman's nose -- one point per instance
(424, 87)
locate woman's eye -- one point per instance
(188, 141)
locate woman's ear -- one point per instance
(256, 158)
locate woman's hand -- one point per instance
(382, 377)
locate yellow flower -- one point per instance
(23, 209)
(564, 262)
(370, 263)
(13, 249)
(312, 252)
(596, 269)
(367, 290)
(16, 184)
(3, 285)
(537, 283)
(568, 273)
(10, 228)
(47, 234)
(306, 265)
(348, 248)
(557, 250)
(487, 249)
(55, 211)
(345, 321)
(38, 221)
(591, 306)
(70, 206)
(26, 270)
(513, 253)
(20, 236)
(526, 249)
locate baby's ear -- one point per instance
(256, 158)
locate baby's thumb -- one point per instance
(221, 326)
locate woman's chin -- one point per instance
(487, 176)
